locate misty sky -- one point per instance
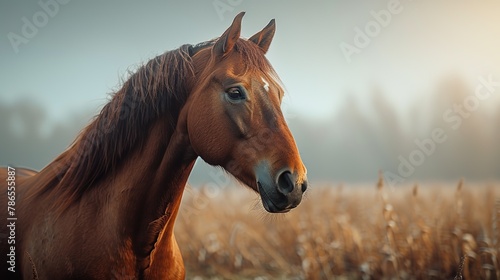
(86, 48)
(331, 55)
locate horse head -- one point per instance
(234, 119)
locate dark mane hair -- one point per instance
(155, 89)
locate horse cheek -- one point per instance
(205, 135)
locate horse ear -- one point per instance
(226, 41)
(265, 36)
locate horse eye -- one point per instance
(235, 94)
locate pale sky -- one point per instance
(84, 49)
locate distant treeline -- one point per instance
(454, 134)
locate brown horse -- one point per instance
(106, 207)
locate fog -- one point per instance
(409, 88)
(454, 134)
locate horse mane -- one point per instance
(156, 89)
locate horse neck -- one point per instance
(149, 187)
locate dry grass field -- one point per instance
(344, 232)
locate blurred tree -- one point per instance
(23, 139)
(469, 127)
(351, 145)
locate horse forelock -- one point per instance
(256, 63)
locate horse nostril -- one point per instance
(304, 186)
(285, 182)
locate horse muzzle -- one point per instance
(281, 193)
